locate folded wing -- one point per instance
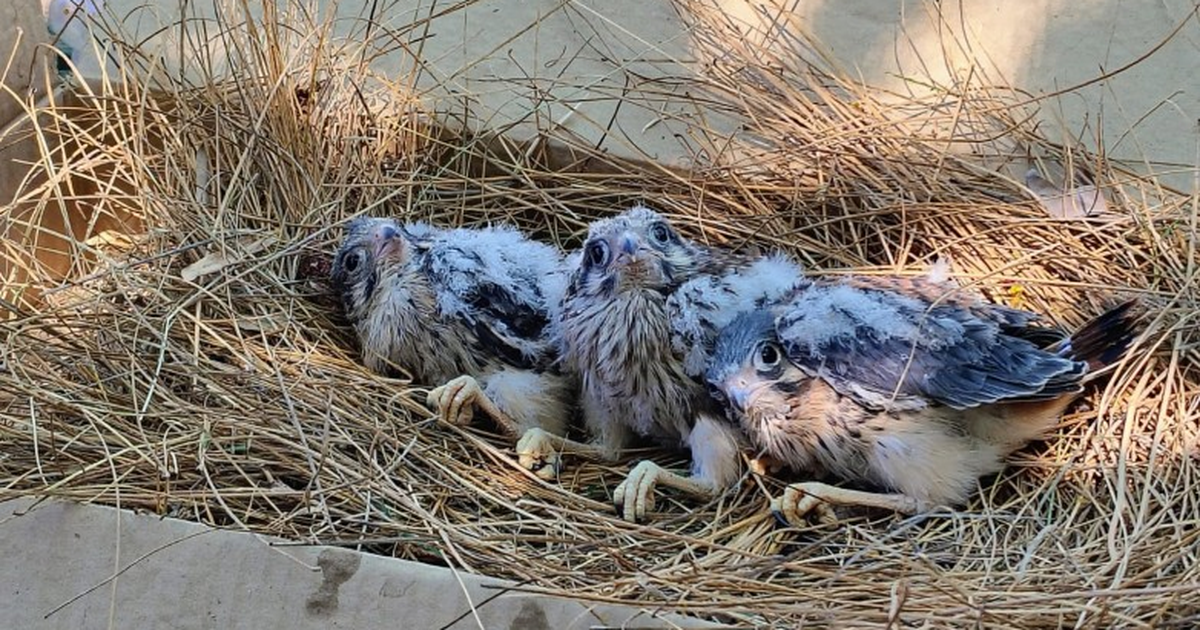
(904, 349)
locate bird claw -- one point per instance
(536, 452)
(455, 401)
(797, 503)
(765, 465)
(634, 497)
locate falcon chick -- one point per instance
(886, 383)
(642, 308)
(466, 307)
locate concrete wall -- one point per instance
(77, 566)
(534, 65)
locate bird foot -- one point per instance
(801, 500)
(634, 498)
(456, 401)
(536, 452)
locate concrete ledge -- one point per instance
(177, 574)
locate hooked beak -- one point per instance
(739, 397)
(737, 391)
(630, 248)
(386, 239)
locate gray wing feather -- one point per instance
(891, 350)
(499, 282)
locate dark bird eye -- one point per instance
(597, 254)
(716, 394)
(660, 233)
(768, 356)
(352, 261)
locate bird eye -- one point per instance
(352, 261)
(660, 233)
(597, 253)
(768, 357)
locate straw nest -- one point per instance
(196, 370)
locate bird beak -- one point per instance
(737, 392)
(386, 239)
(739, 397)
(630, 247)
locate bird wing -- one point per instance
(701, 307)
(1011, 321)
(902, 350)
(500, 284)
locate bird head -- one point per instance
(635, 250)
(371, 247)
(749, 372)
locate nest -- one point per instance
(197, 369)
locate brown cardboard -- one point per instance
(42, 221)
(23, 75)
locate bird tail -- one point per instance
(1102, 342)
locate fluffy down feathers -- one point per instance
(441, 303)
(641, 313)
(706, 304)
(617, 327)
(902, 389)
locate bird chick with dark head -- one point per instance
(899, 387)
(642, 306)
(468, 309)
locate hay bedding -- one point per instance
(234, 398)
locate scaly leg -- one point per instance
(800, 499)
(716, 465)
(540, 451)
(634, 498)
(457, 400)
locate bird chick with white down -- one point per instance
(642, 309)
(469, 308)
(896, 385)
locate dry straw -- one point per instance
(195, 370)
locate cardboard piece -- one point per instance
(177, 574)
(42, 221)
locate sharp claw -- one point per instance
(551, 467)
(536, 453)
(780, 518)
(547, 476)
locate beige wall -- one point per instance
(547, 65)
(1149, 111)
(534, 67)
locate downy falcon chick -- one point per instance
(902, 385)
(642, 309)
(468, 309)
